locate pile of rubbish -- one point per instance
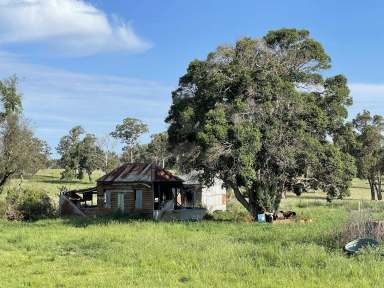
(279, 215)
(283, 215)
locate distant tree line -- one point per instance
(367, 145)
(82, 153)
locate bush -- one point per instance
(29, 205)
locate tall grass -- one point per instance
(223, 252)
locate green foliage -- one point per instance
(80, 154)
(111, 161)
(69, 150)
(129, 132)
(21, 153)
(91, 156)
(240, 116)
(29, 204)
(10, 97)
(158, 151)
(369, 150)
(334, 171)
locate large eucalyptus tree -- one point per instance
(259, 115)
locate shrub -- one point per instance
(28, 204)
(361, 225)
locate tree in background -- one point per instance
(20, 151)
(90, 156)
(369, 150)
(240, 116)
(158, 149)
(79, 153)
(128, 133)
(140, 154)
(69, 150)
(111, 160)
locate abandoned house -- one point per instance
(144, 190)
(195, 194)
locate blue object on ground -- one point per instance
(261, 217)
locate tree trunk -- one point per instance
(4, 178)
(251, 204)
(131, 152)
(240, 197)
(371, 186)
(106, 162)
(260, 198)
(378, 187)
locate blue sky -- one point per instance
(96, 62)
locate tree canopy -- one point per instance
(20, 151)
(158, 149)
(369, 150)
(260, 115)
(80, 153)
(129, 132)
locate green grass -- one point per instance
(216, 253)
(49, 180)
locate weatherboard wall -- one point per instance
(129, 197)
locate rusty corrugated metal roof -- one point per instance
(139, 172)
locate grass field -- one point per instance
(223, 252)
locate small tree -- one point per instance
(69, 149)
(90, 155)
(111, 163)
(110, 160)
(20, 151)
(370, 151)
(129, 132)
(79, 152)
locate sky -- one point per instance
(95, 62)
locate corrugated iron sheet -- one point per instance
(138, 172)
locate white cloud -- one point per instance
(56, 100)
(73, 27)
